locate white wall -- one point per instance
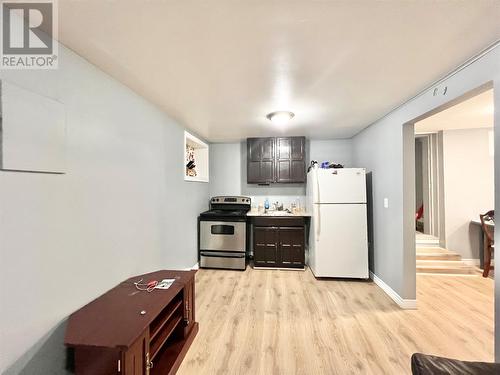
(468, 173)
(228, 170)
(121, 209)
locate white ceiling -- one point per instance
(476, 112)
(218, 67)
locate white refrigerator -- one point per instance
(338, 237)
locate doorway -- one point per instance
(459, 169)
(454, 184)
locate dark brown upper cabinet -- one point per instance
(276, 160)
(260, 155)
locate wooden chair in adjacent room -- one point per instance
(487, 224)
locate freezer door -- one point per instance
(345, 185)
(339, 241)
(312, 189)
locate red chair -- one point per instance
(419, 225)
(419, 213)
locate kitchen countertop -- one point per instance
(278, 214)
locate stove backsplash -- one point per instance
(287, 200)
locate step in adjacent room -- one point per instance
(437, 260)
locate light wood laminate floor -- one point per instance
(287, 322)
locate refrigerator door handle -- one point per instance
(316, 201)
(316, 177)
(317, 220)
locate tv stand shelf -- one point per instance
(130, 332)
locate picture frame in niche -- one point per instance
(195, 159)
(32, 131)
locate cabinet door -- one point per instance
(189, 317)
(291, 246)
(254, 156)
(297, 148)
(298, 159)
(90, 360)
(254, 148)
(283, 159)
(267, 161)
(283, 148)
(136, 358)
(267, 148)
(260, 163)
(265, 249)
(290, 159)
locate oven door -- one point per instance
(222, 235)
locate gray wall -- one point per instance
(121, 209)
(386, 149)
(333, 150)
(379, 149)
(228, 165)
(225, 169)
(468, 187)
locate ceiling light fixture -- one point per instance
(280, 117)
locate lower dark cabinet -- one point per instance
(292, 247)
(279, 243)
(266, 247)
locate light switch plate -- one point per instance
(386, 202)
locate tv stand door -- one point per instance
(135, 361)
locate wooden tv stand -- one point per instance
(130, 332)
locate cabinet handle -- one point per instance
(149, 364)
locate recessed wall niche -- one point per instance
(32, 131)
(195, 159)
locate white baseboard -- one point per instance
(195, 267)
(471, 262)
(407, 304)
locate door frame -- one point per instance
(409, 195)
(432, 169)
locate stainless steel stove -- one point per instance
(223, 233)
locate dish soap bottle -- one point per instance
(266, 204)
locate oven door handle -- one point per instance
(221, 254)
